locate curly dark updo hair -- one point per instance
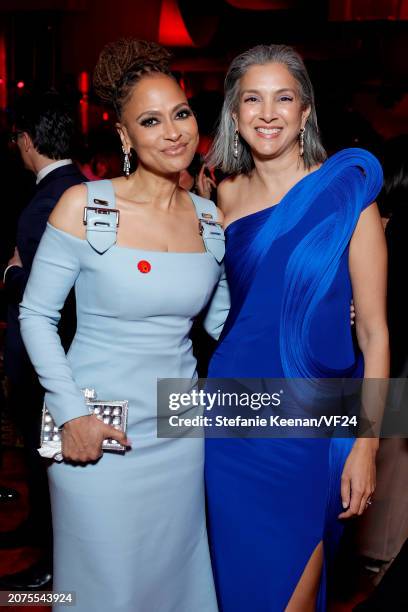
(122, 63)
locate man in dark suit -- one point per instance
(43, 134)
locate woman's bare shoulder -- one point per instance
(229, 190)
(69, 211)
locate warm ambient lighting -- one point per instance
(3, 72)
(172, 29)
(361, 10)
(262, 5)
(83, 84)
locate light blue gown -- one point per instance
(129, 530)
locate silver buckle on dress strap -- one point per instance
(100, 211)
(207, 222)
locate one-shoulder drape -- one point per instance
(272, 501)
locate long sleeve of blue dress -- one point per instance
(112, 516)
(218, 309)
(54, 272)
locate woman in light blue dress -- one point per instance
(129, 530)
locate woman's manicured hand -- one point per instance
(358, 478)
(82, 438)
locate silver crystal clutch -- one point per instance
(111, 412)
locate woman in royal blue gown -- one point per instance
(302, 238)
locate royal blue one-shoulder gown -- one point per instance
(272, 501)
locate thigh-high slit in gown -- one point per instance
(272, 501)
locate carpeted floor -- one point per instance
(11, 515)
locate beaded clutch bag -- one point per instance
(111, 412)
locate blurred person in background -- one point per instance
(383, 531)
(394, 207)
(97, 156)
(17, 189)
(43, 132)
(199, 179)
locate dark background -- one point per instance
(355, 50)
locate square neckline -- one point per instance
(139, 250)
(152, 251)
(126, 248)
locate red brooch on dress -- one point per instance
(144, 266)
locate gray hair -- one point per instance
(222, 150)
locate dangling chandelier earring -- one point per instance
(236, 140)
(126, 162)
(301, 141)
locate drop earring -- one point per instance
(301, 141)
(236, 141)
(126, 162)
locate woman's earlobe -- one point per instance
(121, 131)
(306, 115)
(125, 145)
